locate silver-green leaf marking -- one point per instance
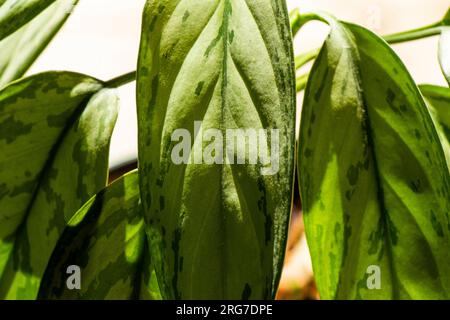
(373, 176)
(216, 230)
(55, 130)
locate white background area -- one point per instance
(101, 39)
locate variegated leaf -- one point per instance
(55, 130)
(106, 240)
(34, 113)
(20, 49)
(373, 176)
(217, 229)
(438, 100)
(16, 13)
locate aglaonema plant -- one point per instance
(206, 214)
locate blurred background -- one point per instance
(101, 39)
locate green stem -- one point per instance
(306, 57)
(301, 81)
(311, 16)
(410, 35)
(295, 19)
(415, 34)
(298, 20)
(121, 80)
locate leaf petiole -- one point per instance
(306, 57)
(415, 34)
(121, 80)
(422, 32)
(295, 20)
(300, 82)
(299, 20)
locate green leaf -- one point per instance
(55, 130)
(446, 19)
(374, 182)
(20, 49)
(34, 113)
(438, 101)
(6, 246)
(217, 231)
(106, 239)
(16, 13)
(444, 52)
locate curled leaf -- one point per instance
(373, 176)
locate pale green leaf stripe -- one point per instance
(16, 13)
(106, 239)
(373, 177)
(20, 49)
(438, 100)
(216, 231)
(56, 129)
